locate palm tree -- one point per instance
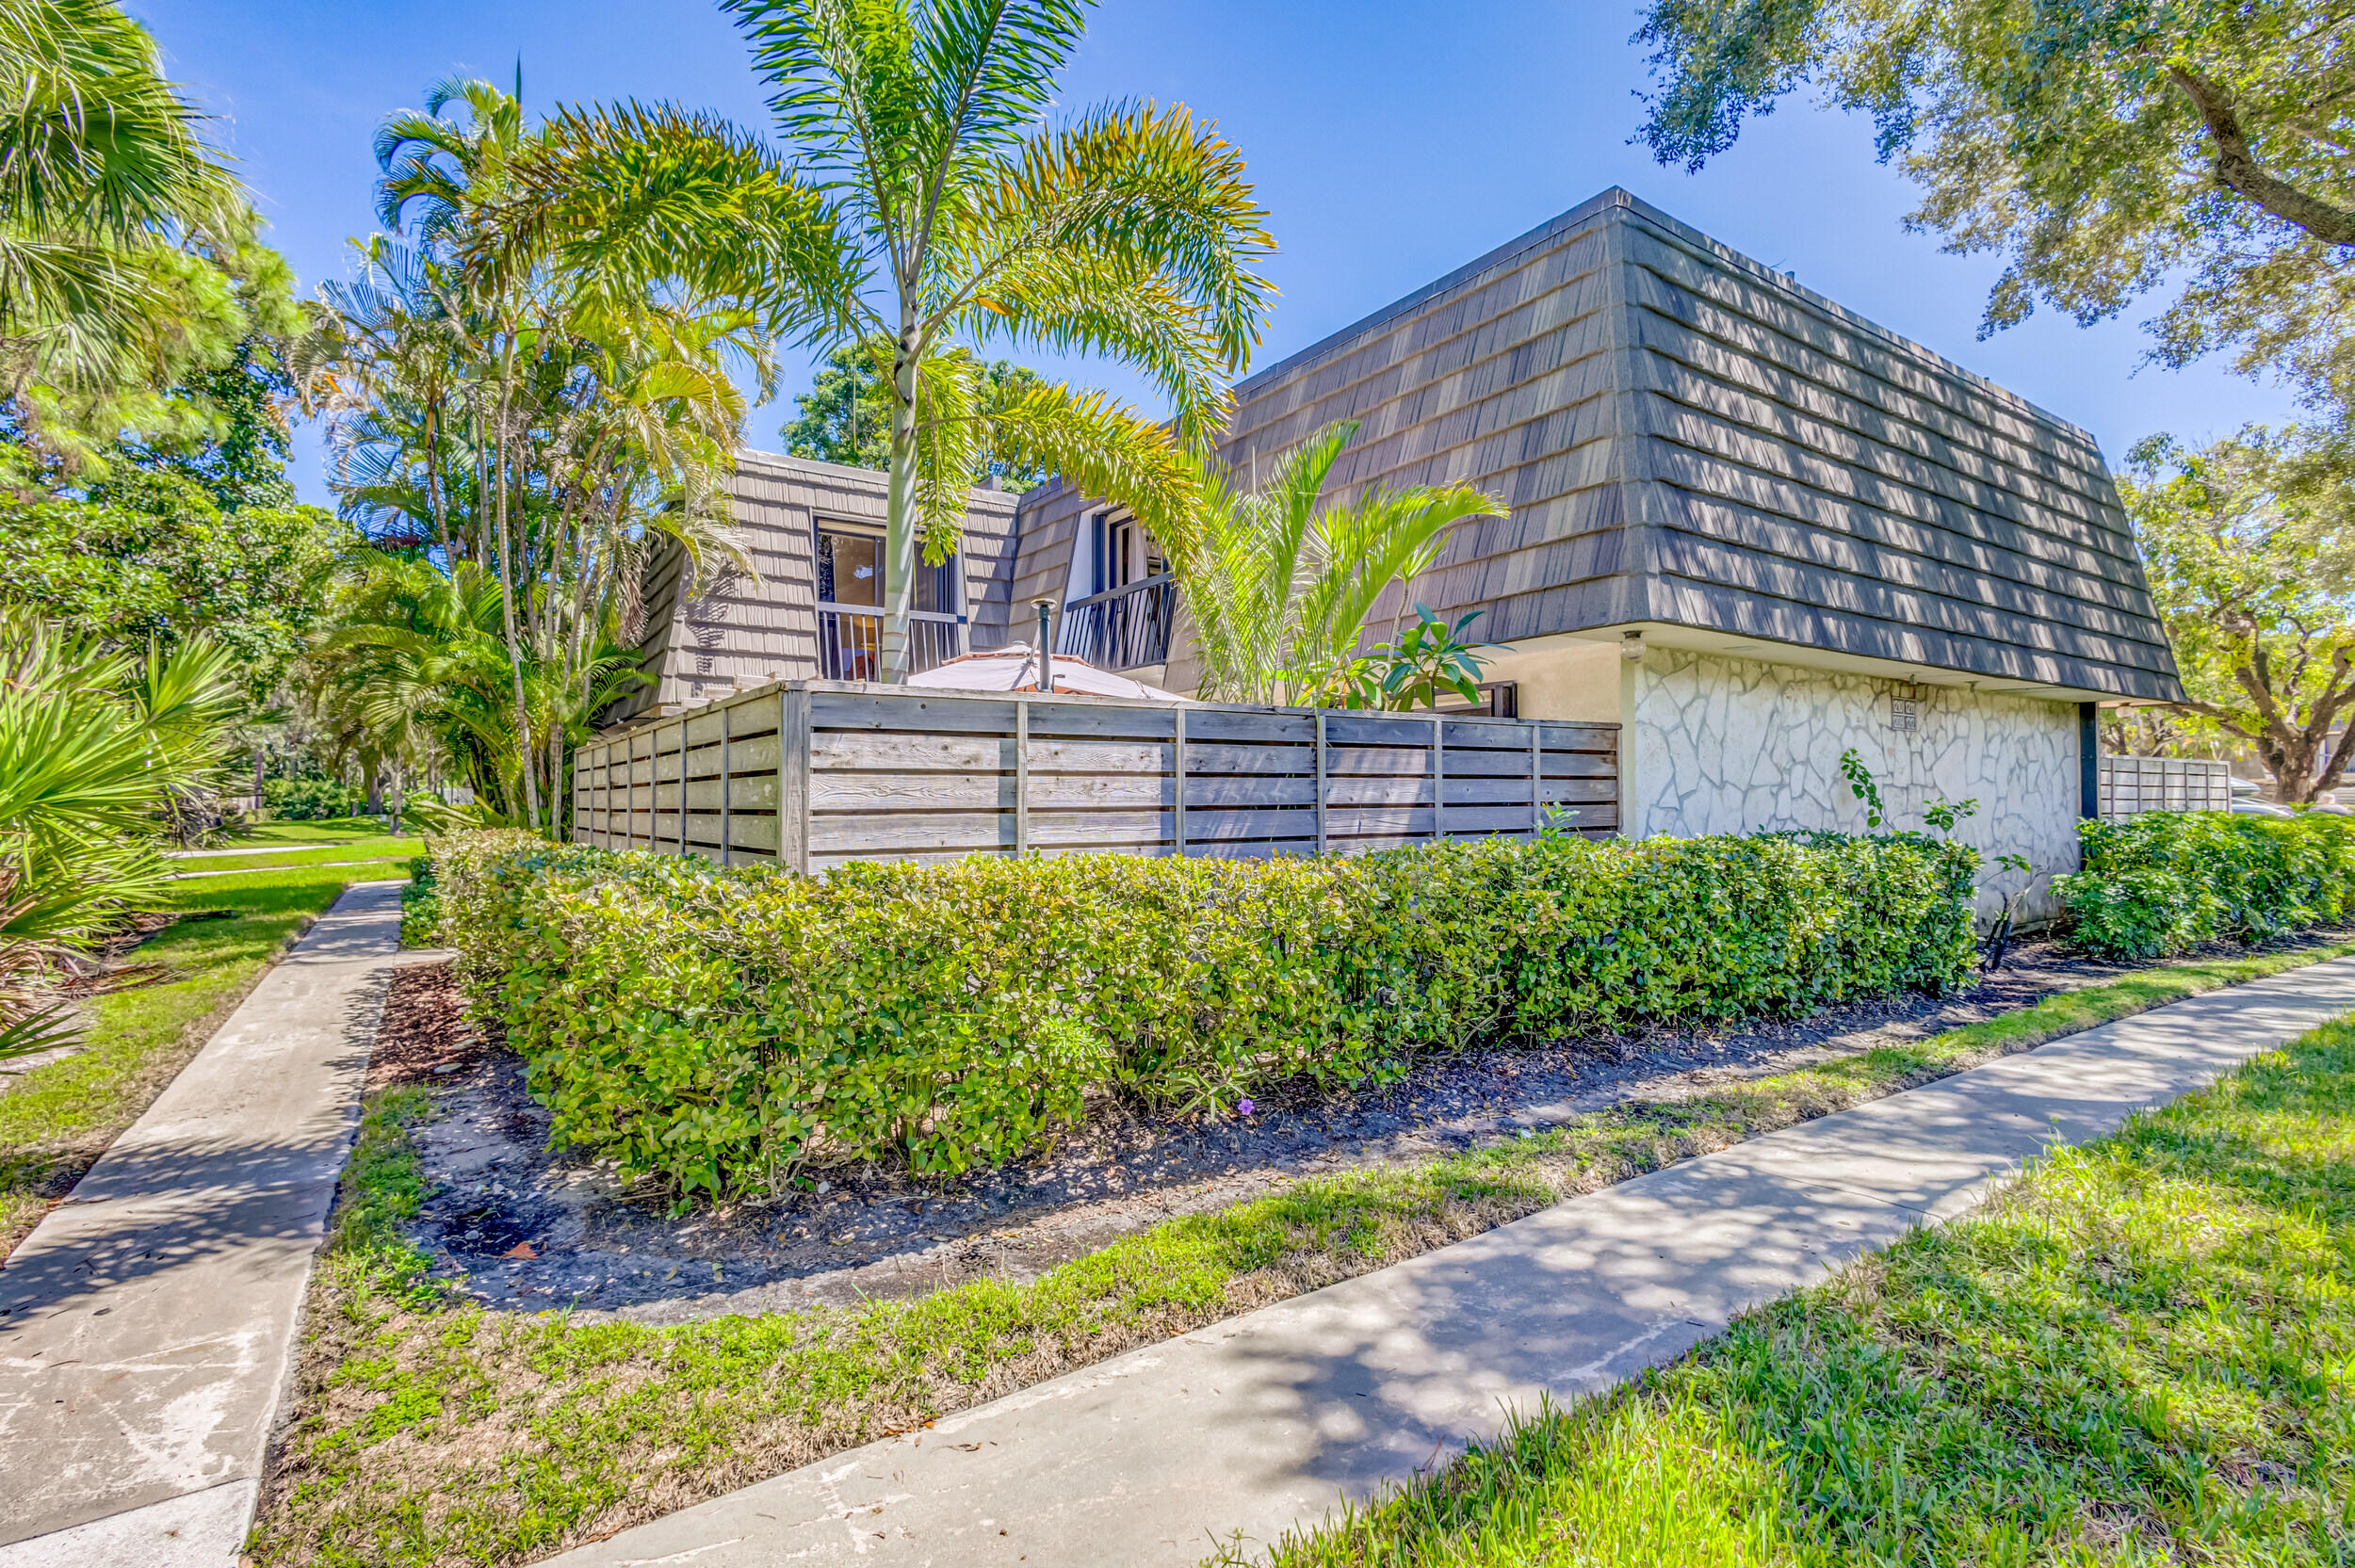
(544, 426)
(382, 363)
(95, 745)
(1277, 591)
(919, 197)
(99, 167)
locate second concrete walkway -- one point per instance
(146, 1324)
(1263, 1422)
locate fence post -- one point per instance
(1439, 780)
(1178, 769)
(1321, 771)
(682, 789)
(793, 777)
(727, 784)
(1021, 776)
(1537, 774)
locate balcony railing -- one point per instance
(850, 641)
(1122, 628)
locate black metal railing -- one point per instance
(1122, 628)
(850, 642)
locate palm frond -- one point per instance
(988, 67)
(1278, 587)
(50, 1028)
(1126, 194)
(648, 196)
(1100, 448)
(94, 138)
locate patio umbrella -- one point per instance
(1015, 667)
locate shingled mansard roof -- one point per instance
(1692, 443)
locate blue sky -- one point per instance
(1393, 142)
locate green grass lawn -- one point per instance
(429, 1431)
(2144, 1352)
(56, 1118)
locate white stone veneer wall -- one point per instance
(1729, 745)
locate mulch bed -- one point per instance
(423, 1034)
(520, 1228)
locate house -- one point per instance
(812, 604)
(1750, 527)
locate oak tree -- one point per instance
(2251, 549)
(2104, 148)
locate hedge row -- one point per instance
(2167, 882)
(719, 1028)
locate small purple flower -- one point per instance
(1244, 1107)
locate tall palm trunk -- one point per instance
(900, 528)
(523, 752)
(434, 482)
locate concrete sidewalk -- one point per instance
(146, 1325)
(1263, 1422)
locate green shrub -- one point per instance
(311, 799)
(2165, 881)
(420, 906)
(719, 1028)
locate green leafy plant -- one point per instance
(312, 799)
(1429, 658)
(96, 750)
(1941, 813)
(1278, 585)
(1999, 935)
(2165, 881)
(1558, 822)
(720, 1028)
(1864, 787)
(1946, 815)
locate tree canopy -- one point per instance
(132, 273)
(2251, 549)
(918, 193)
(845, 416)
(151, 556)
(530, 429)
(2102, 147)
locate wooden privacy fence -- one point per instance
(814, 773)
(2132, 786)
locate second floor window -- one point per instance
(850, 568)
(850, 571)
(1122, 551)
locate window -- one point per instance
(850, 571)
(1120, 552)
(1134, 556)
(936, 586)
(850, 568)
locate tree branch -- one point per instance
(2209, 710)
(2237, 169)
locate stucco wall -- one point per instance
(1561, 677)
(1726, 745)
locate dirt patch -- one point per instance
(519, 1228)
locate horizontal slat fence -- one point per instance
(2132, 786)
(815, 774)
